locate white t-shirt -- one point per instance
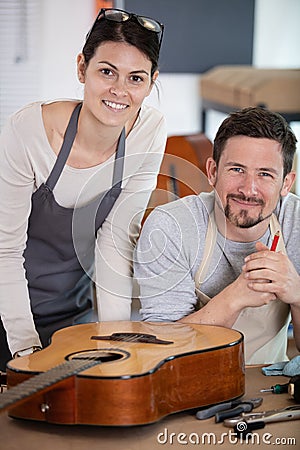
(26, 162)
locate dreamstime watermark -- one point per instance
(230, 436)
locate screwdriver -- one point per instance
(277, 388)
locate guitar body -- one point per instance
(182, 366)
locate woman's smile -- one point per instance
(115, 106)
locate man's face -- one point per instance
(249, 180)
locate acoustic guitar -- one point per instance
(125, 373)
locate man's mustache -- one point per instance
(243, 198)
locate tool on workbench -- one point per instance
(273, 415)
(277, 388)
(206, 413)
(292, 387)
(243, 407)
(229, 409)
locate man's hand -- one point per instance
(272, 272)
(225, 307)
(244, 296)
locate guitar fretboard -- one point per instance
(43, 380)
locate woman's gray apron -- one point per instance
(58, 269)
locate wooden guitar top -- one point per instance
(170, 366)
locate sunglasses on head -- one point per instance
(118, 15)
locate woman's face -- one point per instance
(117, 80)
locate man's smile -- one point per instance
(245, 202)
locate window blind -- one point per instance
(19, 53)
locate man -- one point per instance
(206, 259)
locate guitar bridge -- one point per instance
(133, 337)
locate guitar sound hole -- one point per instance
(100, 355)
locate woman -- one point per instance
(75, 179)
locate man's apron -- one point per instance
(264, 327)
(59, 254)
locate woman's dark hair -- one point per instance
(130, 32)
(257, 122)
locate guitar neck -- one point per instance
(35, 384)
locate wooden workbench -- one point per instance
(26, 435)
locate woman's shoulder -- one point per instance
(148, 118)
(56, 115)
(59, 107)
(25, 113)
(150, 124)
(33, 112)
(149, 112)
(22, 122)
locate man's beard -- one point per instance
(242, 219)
